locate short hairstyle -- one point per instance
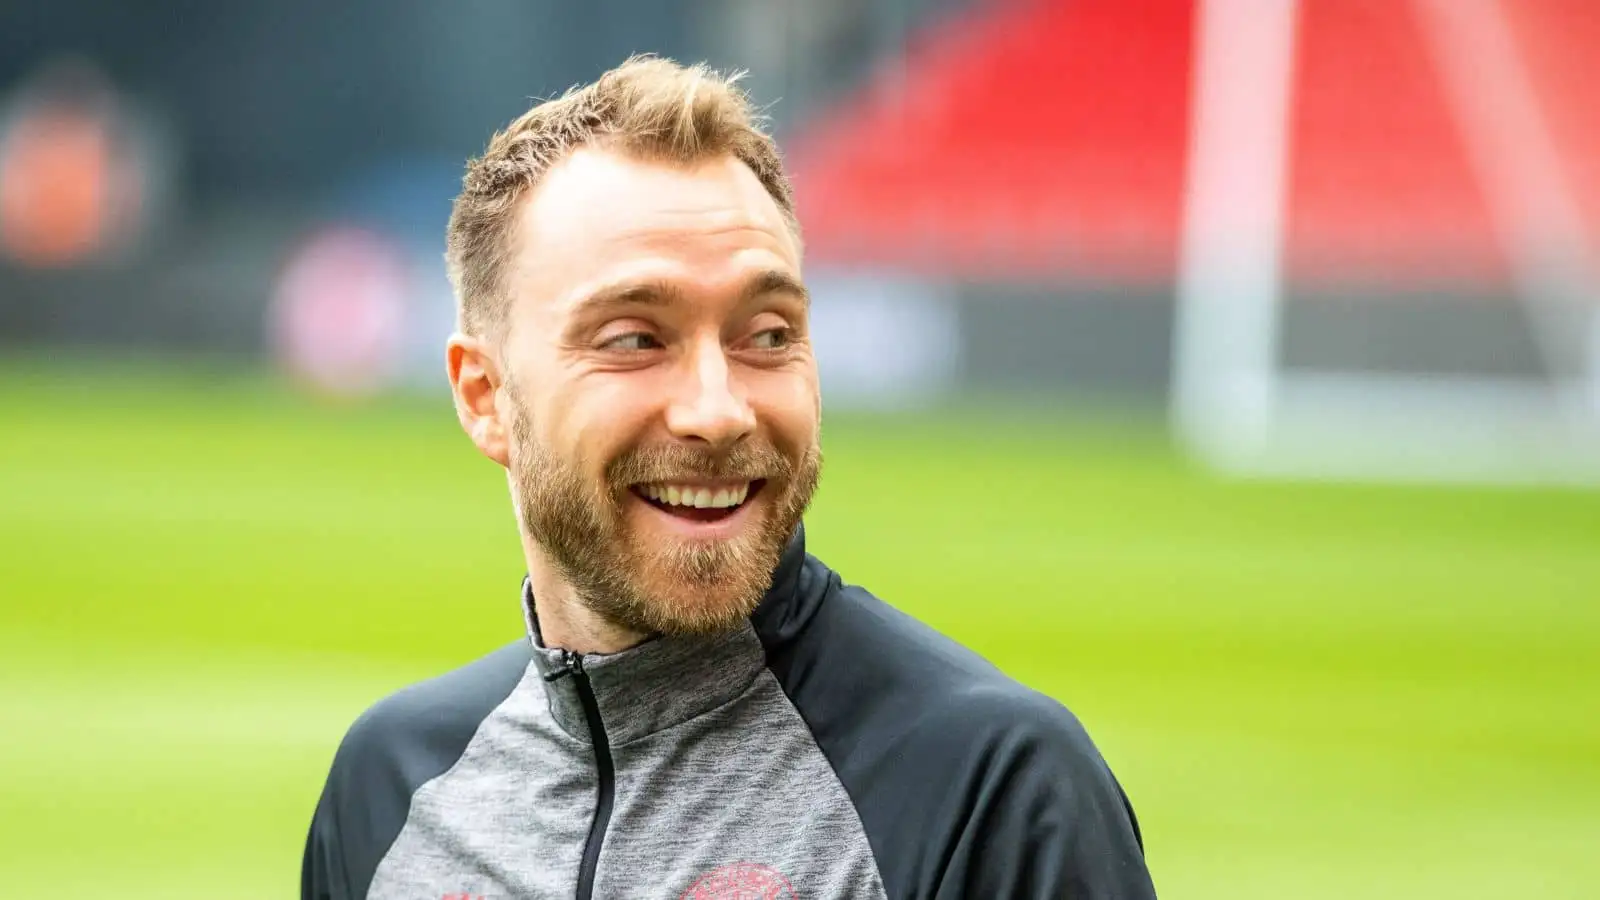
(648, 107)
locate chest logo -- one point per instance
(741, 881)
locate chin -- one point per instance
(688, 611)
(680, 600)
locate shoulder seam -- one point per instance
(411, 795)
(855, 808)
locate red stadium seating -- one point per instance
(1050, 136)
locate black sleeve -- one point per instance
(322, 874)
(1046, 817)
(968, 784)
(394, 748)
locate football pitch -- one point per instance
(1309, 691)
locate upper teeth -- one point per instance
(701, 497)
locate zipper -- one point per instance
(572, 664)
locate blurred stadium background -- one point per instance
(1228, 369)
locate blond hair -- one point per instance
(648, 107)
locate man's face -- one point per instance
(662, 389)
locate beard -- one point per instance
(671, 586)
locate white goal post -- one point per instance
(1238, 408)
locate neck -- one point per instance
(565, 622)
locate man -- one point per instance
(699, 709)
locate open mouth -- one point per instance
(699, 501)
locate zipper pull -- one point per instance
(571, 664)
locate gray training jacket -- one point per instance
(833, 748)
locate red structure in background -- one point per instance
(1051, 138)
(71, 180)
(1042, 136)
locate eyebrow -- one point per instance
(775, 281)
(657, 292)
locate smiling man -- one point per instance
(699, 709)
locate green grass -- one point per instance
(1309, 691)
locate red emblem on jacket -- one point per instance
(741, 881)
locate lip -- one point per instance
(689, 529)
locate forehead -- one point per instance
(599, 217)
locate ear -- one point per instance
(475, 380)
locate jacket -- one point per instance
(833, 747)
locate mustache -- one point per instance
(683, 462)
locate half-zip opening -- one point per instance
(573, 665)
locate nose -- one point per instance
(711, 407)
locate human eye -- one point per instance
(772, 338)
(632, 342)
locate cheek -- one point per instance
(790, 406)
(608, 416)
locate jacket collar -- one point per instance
(668, 680)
